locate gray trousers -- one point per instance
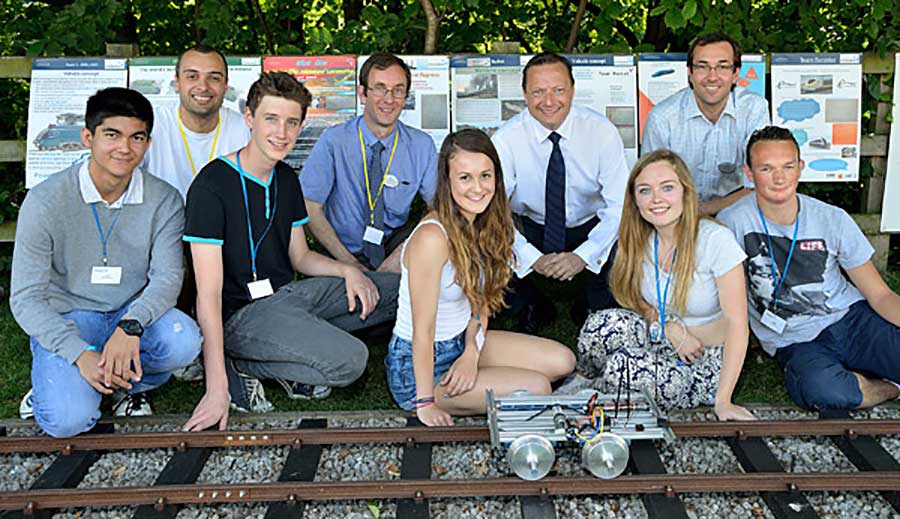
(301, 333)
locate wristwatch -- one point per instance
(131, 327)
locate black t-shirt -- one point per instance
(216, 213)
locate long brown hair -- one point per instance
(481, 251)
(635, 233)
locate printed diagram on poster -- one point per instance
(332, 82)
(155, 78)
(487, 91)
(662, 74)
(428, 103)
(60, 88)
(890, 209)
(817, 97)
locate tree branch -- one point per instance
(262, 21)
(573, 34)
(433, 27)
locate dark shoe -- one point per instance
(535, 316)
(301, 391)
(125, 404)
(247, 393)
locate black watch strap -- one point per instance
(131, 327)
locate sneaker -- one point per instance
(301, 391)
(193, 372)
(247, 393)
(128, 405)
(26, 407)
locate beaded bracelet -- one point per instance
(425, 400)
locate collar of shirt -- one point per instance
(692, 109)
(369, 137)
(134, 194)
(540, 132)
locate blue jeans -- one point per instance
(399, 364)
(818, 374)
(65, 404)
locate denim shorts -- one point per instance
(399, 364)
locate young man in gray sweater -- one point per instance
(97, 267)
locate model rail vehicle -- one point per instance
(602, 425)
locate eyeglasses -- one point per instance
(703, 68)
(396, 92)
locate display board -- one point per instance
(661, 74)
(817, 96)
(890, 208)
(332, 82)
(155, 78)
(60, 88)
(428, 105)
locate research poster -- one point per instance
(487, 91)
(817, 97)
(155, 78)
(428, 103)
(332, 82)
(60, 88)
(662, 74)
(890, 209)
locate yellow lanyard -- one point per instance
(187, 148)
(362, 149)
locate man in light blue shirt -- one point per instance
(360, 180)
(708, 124)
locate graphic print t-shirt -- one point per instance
(815, 294)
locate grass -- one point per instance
(760, 382)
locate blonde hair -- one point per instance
(635, 233)
(481, 251)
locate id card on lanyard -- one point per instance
(105, 274)
(372, 233)
(769, 318)
(258, 288)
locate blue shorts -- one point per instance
(399, 364)
(818, 374)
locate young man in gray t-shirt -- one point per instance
(839, 344)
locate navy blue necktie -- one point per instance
(375, 253)
(555, 200)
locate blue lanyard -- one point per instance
(104, 238)
(661, 298)
(254, 246)
(779, 280)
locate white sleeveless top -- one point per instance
(453, 310)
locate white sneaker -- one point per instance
(125, 404)
(26, 406)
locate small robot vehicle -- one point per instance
(603, 425)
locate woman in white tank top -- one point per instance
(455, 267)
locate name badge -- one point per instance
(373, 235)
(391, 181)
(106, 275)
(773, 322)
(260, 289)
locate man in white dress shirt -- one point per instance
(189, 135)
(565, 173)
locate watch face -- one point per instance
(131, 327)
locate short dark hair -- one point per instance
(547, 58)
(117, 102)
(714, 37)
(771, 133)
(202, 49)
(278, 84)
(383, 61)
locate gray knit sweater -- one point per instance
(57, 244)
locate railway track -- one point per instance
(784, 493)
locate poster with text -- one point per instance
(817, 97)
(428, 104)
(890, 209)
(155, 78)
(60, 88)
(662, 74)
(332, 82)
(487, 90)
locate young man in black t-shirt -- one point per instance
(245, 216)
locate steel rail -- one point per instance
(160, 496)
(299, 437)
